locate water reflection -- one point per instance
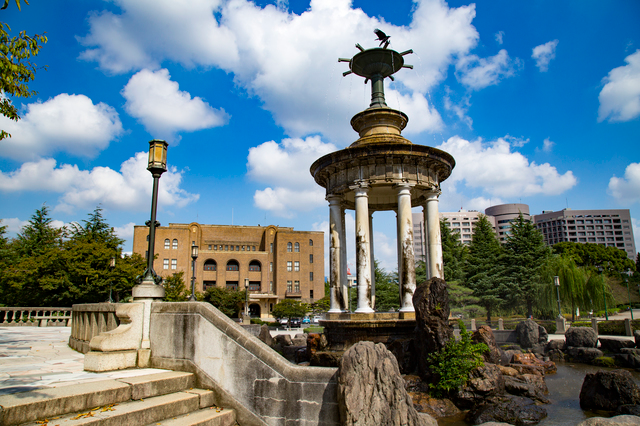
(564, 393)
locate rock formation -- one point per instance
(607, 390)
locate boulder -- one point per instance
(628, 357)
(556, 355)
(530, 385)
(403, 350)
(484, 382)
(530, 334)
(514, 410)
(581, 337)
(326, 358)
(265, 335)
(636, 337)
(484, 335)
(583, 355)
(555, 345)
(507, 355)
(614, 345)
(299, 340)
(528, 369)
(316, 342)
(371, 390)
(431, 303)
(634, 410)
(607, 390)
(508, 371)
(625, 420)
(423, 403)
(283, 339)
(549, 367)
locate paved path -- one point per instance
(37, 357)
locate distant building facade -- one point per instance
(504, 214)
(611, 228)
(276, 262)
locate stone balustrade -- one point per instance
(35, 317)
(89, 320)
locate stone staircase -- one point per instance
(167, 398)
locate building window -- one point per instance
(167, 244)
(232, 285)
(271, 247)
(175, 244)
(270, 266)
(226, 248)
(253, 248)
(242, 248)
(296, 247)
(254, 266)
(310, 276)
(270, 286)
(311, 257)
(289, 266)
(237, 248)
(296, 286)
(209, 246)
(233, 265)
(208, 284)
(254, 285)
(174, 263)
(289, 286)
(296, 266)
(311, 294)
(289, 247)
(231, 248)
(210, 265)
(165, 264)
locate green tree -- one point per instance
(483, 268)
(16, 69)
(226, 300)
(289, 308)
(320, 306)
(526, 255)
(174, 288)
(463, 302)
(453, 252)
(613, 260)
(387, 289)
(421, 272)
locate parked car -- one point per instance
(284, 321)
(306, 320)
(295, 322)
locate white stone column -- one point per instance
(363, 257)
(433, 233)
(373, 264)
(406, 265)
(336, 238)
(344, 282)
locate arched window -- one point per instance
(296, 247)
(310, 242)
(210, 265)
(289, 246)
(175, 244)
(254, 266)
(167, 244)
(233, 265)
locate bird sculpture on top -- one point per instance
(384, 39)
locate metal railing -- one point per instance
(35, 317)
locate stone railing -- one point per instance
(36, 317)
(89, 320)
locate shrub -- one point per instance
(313, 329)
(581, 324)
(259, 321)
(455, 361)
(604, 361)
(550, 326)
(611, 328)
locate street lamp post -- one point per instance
(628, 274)
(112, 266)
(604, 294)
(556, 282)
(149, 286)
(194, 256)
(246, 299)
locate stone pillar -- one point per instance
(373, 264)
(433, 234)
(344, 282)
(425, 240)
(406, 265)
(363, 257)
(336, 239)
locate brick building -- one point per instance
(275, 262)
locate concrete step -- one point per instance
(211, 416)
(132, 413)
(52, 402)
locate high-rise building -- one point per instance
(277, 263)
(504, 214)
(611, 228)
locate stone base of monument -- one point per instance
(344, 330)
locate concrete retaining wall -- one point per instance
(246, 374)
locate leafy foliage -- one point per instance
(453, 252)
(463, 302)
(226, 300)
(289, 308)
(387, 290)
(455, 361)
(174, 288)
(589, 255)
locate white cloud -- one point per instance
(289, 61)
(547, 145)
(425, 117)
(515, 141)
(164, 110)
(459, 109)
(14, 225)
(500, 37)
(626, 190)
(620, 96)
(500, 172)
(69, 123)
(285, 167)
(543, 54)
(481, 203)
(125, 231)
(636, 233)
(478, 73)
(129, 189)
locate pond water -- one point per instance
(564, 393)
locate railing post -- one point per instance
(473, 324)
(500, 324)
(627, 327)
(594, 325)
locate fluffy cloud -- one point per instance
(543, 54)
(620, 96)
(282, 57)
(500, 37)
(125, 231)
(129, 189)
(69, 123)
(547, 145)
(165, 110)
(14, 225)
(285, 167)
(627, 189)
(478, 73)
(494, 168)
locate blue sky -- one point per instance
(539, 102)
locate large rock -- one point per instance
(431, 303)
(548, 367)
(265, 335)
(530, 385)
(484, 382)
(316, 342)
(636, 337)
(614, 345)
(628, 357)
(484, 335)
(371, 390)
(531, 334)
(581, 337)
(607, 390)
(424, 403)
(283, 339)
(624, 420)
(513, 410)
(583, 355)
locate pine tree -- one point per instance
(453, 252)
(526, 255)
(483, 267)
